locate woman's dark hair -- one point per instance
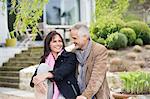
(47, 41)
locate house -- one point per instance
(58, 14)
(3, 24)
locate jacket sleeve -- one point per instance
(98, 74)
(68, 66)
(31, 83)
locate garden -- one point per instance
(128, 41)
(116, 26)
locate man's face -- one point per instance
(77, 40)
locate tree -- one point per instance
(28, 13)
(140, 6)
(109, 8)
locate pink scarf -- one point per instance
(51, 61)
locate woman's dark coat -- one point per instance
(65, 75)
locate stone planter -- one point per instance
(117, 95)
(120, 96)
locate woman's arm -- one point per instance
(68, 66)
(41, 77)
(31, 82)
(59, 73)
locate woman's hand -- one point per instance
(41, 88)
(41, 77)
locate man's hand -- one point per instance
(81, 97)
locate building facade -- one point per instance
(3, 23)
(57, 13)
(68, 12)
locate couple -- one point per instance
(88, 62)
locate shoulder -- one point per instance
(98, 47)
(68, 54)
(70, 48)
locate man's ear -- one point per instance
(85, 37)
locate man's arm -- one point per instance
(98, 74)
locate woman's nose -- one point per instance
(58, 43)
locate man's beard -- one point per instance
(78, 49)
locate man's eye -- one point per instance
(74, 38)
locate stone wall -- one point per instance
(25, 78)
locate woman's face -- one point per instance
(56, 44)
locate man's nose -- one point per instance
(73, 41)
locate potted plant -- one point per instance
(12, 41)
(135, 84)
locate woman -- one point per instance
(64, 68)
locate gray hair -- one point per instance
(82, 29)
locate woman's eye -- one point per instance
(60, 41)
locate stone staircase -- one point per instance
(9, 72)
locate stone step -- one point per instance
(32, 49)
(11, 68)
(10, 73)
(20, 64)
(37, 59)
(39, 47)
(9, 79)
(7, 84)
(13, 93)
(28, 55)
(28, 52)
(23, 62)
(35, 49)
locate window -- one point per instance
(62, 12)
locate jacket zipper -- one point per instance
(72, 86)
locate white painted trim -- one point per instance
(4, 33)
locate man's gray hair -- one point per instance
(82, 29)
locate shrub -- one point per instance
(94, 37)
(130, 34)
(101, 40)
(106, 26)
(141, 29)
(98, 40)
(139, 41)
(136, 82)
(116, 41)
(130, 17)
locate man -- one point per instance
(92, 68)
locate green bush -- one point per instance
(116, 41)
(136, 82)
(130, 17)
(94, 37)
(130, 34)
(141, 29)
(98, 40)
(106, 26)
(139, 41)
(101, 41)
